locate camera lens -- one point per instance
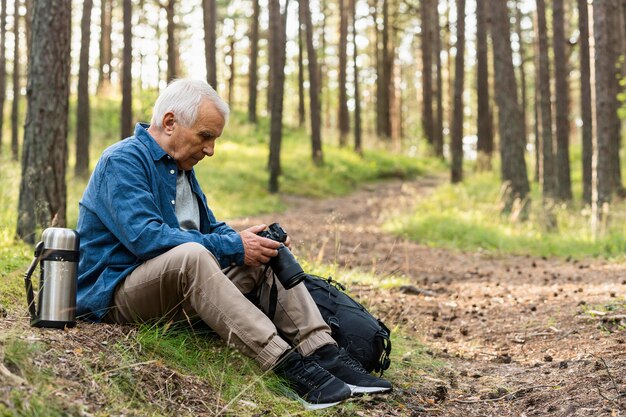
(287, 269)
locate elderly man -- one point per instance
(152, 249)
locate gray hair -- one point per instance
(183, 97)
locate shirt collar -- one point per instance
(141, 133)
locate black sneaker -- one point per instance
(315, 386)
(339, 363)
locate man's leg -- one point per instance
(296, 316)
(187, 282)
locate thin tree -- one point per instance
(522, 64)
(383, 80)
(172, 45)
(344, 115)
(545, 112)
(127, 77)
(301, 108)
(42, 200)
(82, 108)
(617, 41)
(484, 143)
(585, 98)
(512, 141)
(427, 40)
(456, 148)
(564, 183)
(231, 68)
(254, 55)
(277, 70)
(438, 129)
(3, 64)
(15, 110)
(209, 8)
(106, 55)
(316, 139)
(358, 146)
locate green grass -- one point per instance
(467, 217)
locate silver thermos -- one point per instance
(58, 254)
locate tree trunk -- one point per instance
(602, 18)
(15, 109)
(545, 108)
(301, 109)
(42, 200)
(522, 66)
(3, 65)
(617, 42)
(438, 129)
(585, 99)
(172, 46)
(344, 115)
(254, 55)
(484, 125)
(231, 67)
(512, 141)
(358, 147)
(209, 8)
(564, 183)
(316, 139)
(106, 13)
(456, 147)
(427, 41)
(127, 80)
(277, 71)
(384, 82)
(82, 107)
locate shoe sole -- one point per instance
(311, 406)
(367, 390)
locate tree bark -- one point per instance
(106, 13)
(82, 107)
(344, 115)
(209, 8)
(602, 18)
(456, 148)
(512, 141)
(545, 108)
(564, 183)
(585, 99)
(301, 109)
(277, 70)
(231, 68)
(3, 65)
(42, 200)
(358, 146)
(15, 109)
(522, 66)
(254, 55)
(316, 139)
(172, 46)
(484, 125)
(427, 41)
(384, 83)
(438, 129)
(127, 81)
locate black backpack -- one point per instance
(365, 338)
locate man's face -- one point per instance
(189, 145)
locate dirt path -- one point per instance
(515, 331)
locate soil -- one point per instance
(517, 335)
(521, 336)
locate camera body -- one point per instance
(285, 267)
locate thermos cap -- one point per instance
(60, 238)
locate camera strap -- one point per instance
(271, 312)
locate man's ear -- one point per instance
(168, 122)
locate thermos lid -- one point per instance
(60, 238)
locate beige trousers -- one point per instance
(187, 283)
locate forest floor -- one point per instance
(514, 335)
(520, 336)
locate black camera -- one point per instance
(284, 265)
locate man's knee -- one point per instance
(194, 251)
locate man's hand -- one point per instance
(257, 250)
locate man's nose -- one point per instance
(208, 150)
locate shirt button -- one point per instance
(169, 157)
(173, 201)
(172, 171)
(233, 264)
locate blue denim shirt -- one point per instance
(127, 216)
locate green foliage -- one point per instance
(467, 217)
